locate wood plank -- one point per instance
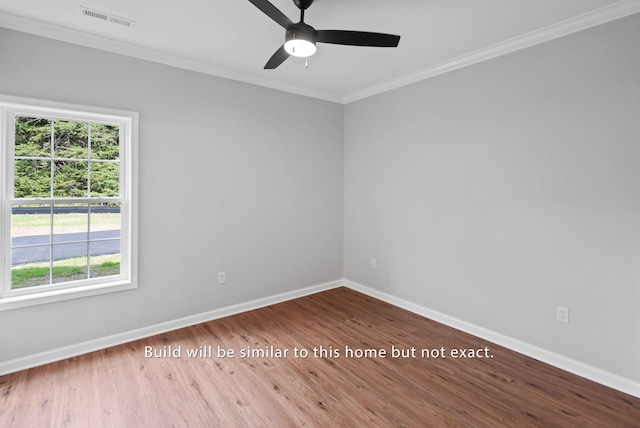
(120, 387)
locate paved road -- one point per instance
(68, 246)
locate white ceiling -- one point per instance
(234, 39)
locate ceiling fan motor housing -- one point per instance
(301, 31)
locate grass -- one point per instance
(34, 274)
(20, 276)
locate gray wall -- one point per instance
(232, 177)
(490, 194)
(498, 191)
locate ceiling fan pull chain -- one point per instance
(306, 62)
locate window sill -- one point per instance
(13, 301)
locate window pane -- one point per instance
(105, 179)
(71, 140)
(70, 179)
(30, 275)
(105, 218)
(70, 223)
(28, 220)
(105, 265)
(32, 178)
(27, 255)
(101, 246)
(33, 137)
(30, 239)
(105, 142)
(70, 262)
(105, 240)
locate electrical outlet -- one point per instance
(563, 314)
(374, 264)
(222, 277)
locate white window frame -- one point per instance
(127, 121)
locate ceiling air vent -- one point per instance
(106, 17)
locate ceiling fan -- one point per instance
(301, 38)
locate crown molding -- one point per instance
(581, 22)
(38, 28)
(599, 16)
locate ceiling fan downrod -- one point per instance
(302, 5)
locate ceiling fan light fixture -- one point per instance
(300, 47)
(300, 44)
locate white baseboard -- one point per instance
(572, 366)
(58, 354)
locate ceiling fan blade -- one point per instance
(358, 38)
(276, 59)
(272, 12)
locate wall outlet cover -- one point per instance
(563, 314)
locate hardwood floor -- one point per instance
(120, 387)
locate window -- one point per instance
(67, 183)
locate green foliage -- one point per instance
(104, 142)
(77, 149)
(70, 179)
(32, 178)
(104, 179)
(33, 137)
